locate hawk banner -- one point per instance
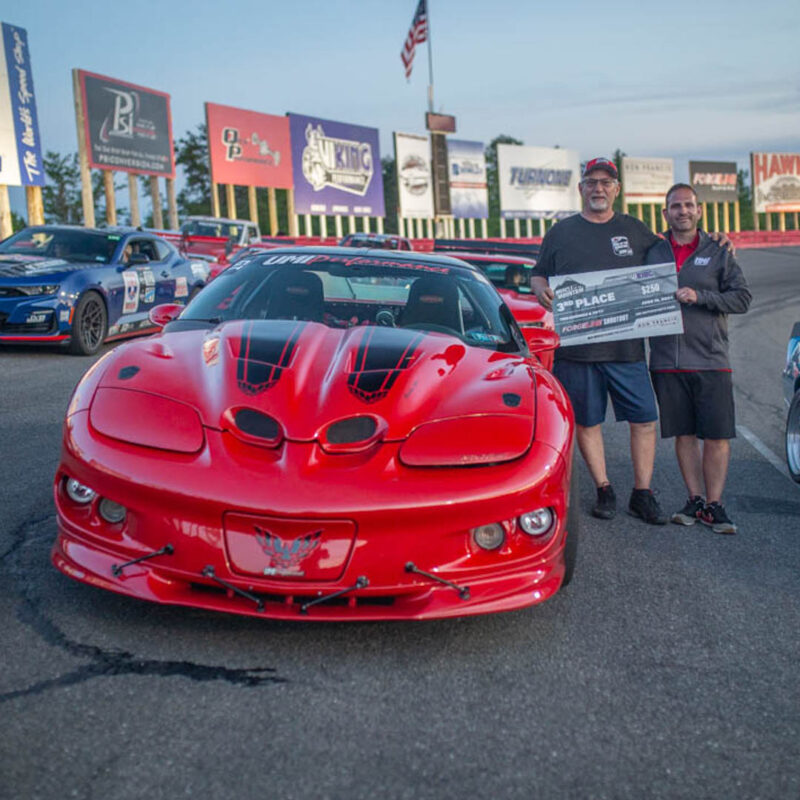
(128, 127)
(20, 145)
(776, 181)
(248, 148)
(417, 34)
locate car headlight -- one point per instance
(31, 291)
(111, 512)
(78, 492)
(489, 537)
(538, 522)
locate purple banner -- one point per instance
(337, 168)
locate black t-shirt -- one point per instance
(577, 245)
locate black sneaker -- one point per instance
(715, 517)
(643, 504)
(690, 513)
(606, 505)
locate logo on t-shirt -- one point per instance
(621, 245)
(701, 262)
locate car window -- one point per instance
(344, 292)
(69, 245)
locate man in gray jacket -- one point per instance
(692, 373)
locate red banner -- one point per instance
(248, 148)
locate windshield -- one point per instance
(69, 245)
(504, 274)
(219, 230)
(346, 291)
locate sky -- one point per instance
(701, 80)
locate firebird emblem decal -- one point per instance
(286, 554)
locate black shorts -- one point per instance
(695, 404)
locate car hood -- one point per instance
(307, 375)
(14, 265)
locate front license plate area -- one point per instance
(284, 548)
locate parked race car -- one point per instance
(82, 286)
(325, 435)
(381, 241)
(511, 277)
(791, 394)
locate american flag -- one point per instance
(417, 34)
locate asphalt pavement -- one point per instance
(667, 669)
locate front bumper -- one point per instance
(399, 515)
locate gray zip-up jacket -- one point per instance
(721, 290)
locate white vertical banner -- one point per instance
(538, 182)
(414, 179)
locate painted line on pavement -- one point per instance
(763, 450)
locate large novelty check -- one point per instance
(628, 303)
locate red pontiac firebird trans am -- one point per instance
(325, 435)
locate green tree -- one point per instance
(492, 180)
(745, 200)
(191, 155)
(62, 193)
(17, 222)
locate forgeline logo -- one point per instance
(339, 163)
(234, 150)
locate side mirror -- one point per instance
(166, 312)
(138, 258)
(540, 340)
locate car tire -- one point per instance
(793, 438)
(89, 325)
(573, 525)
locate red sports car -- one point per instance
(326, 435)
(511, 276)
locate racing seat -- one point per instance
(294, 294)
(514, 276)
(433, 300)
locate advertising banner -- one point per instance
(538, 182)
(612, 304)
(414, 179)
(647, 180)
(469, 196)
(776, 181)
(20, 145)
(337, 168)
(247, 148)
(128, 127)
(714, 181)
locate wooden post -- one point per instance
(715, 214)
(87, 199)
(640, 211)
(795, 218)
(462, 233)
(215, 211)
(252, 204)
(516, 228)
(273, 211)
(307, 218)
(429, 226)
(543, 226)
(380, 224)
(37, 201)
(768, 221)
(726, 218)
(502, 227)
(133, 194)
(6, 227)
(653, 222)
(172, 205)
(31, 203)
(471, 227)
(111, 199)
(782, 221)
(737, 220)
(351, 224)
(158, 217)
(484, 228)
(230, 200)
(323, 227)
(365, 224)
(705, 216)
(337, 222)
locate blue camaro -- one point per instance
(84, 286)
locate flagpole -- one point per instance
(430, 60)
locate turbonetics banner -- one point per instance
(337, 168)
(538, 182)
(469, 196)
(20, 145)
